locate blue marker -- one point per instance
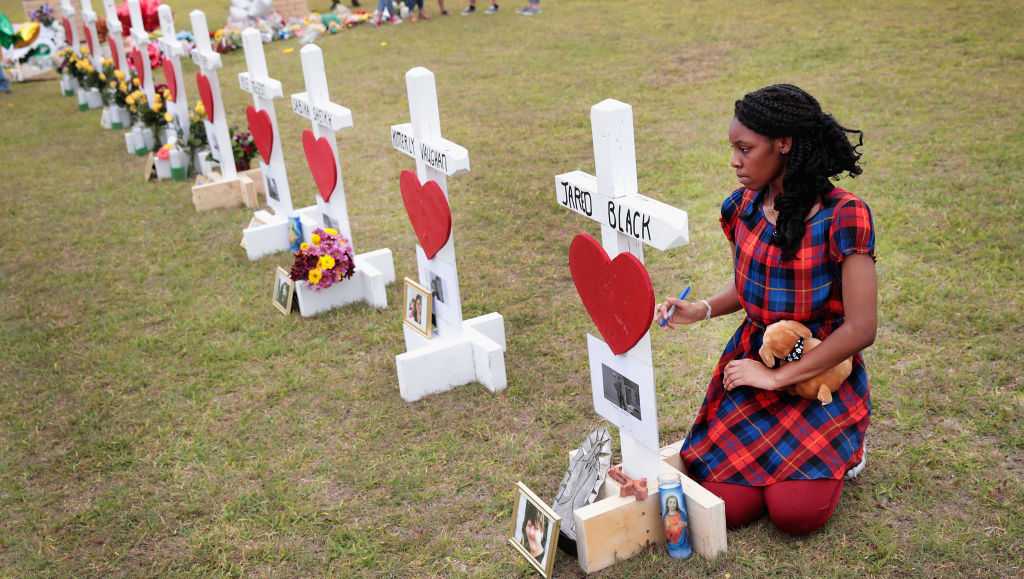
(682, 296)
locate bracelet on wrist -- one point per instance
(707, 315)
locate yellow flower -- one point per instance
(200, 109)
(113, 84)
(325, 262)
(130, 99)
(119, 74)
(315, 239)
(103, 76)
(122, 86)
(315, 275)
(304, 246)
(157, 105)
(168, 117)
(136, 81)
(331, 230)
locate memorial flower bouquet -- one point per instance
(325, 261)
(243, 147)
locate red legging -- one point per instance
(796, 507)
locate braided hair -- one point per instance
(821, 151)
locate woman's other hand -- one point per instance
(749, 372)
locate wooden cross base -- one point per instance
(614, 527)
(438, 364)
(217, 193)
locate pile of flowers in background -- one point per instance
(243, 148)
(327, 260)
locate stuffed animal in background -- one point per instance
(787, 341)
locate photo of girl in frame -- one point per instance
(418, 307)
(536, 531)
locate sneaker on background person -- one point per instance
(530, 9)
(492, 9)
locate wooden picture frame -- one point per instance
(419, 301)
(528, 507)
(284, 291)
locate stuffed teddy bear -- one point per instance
(788, 341)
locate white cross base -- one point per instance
(374, 269)
(461, 351)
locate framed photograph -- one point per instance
(418, 305)
(284, 291)
(535, 534)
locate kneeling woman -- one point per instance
(803, 250)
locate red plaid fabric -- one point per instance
(757, 437)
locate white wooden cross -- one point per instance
(114, 36)
(326, 119)
(69, 13)
(208, 61)
(462, 352)
(270, 233)
(95, 48)
(141, 38)
(173, 50)
(628, 221)
(374, 269)
(264, 90)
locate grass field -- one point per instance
(159, 417)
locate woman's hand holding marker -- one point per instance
(675, 311)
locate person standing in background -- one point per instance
(471, 9)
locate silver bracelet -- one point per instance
(707, 316)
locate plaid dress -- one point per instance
(757, 437)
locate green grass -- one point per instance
(159, 417)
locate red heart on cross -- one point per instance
(67, 30)
(113, 51)
(140, 70)
(322, 163)
(205, 94)
(428, 212)
(171, 79)
(262, 131)
(616, 292)
(88, 40)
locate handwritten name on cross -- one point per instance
(264, 90)
(114, 36)
(326, 118)
(173, 50)
(69, 25)
(628, 222)
(436, 159)
(208, 84)
(93, 41)
(141, 38)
